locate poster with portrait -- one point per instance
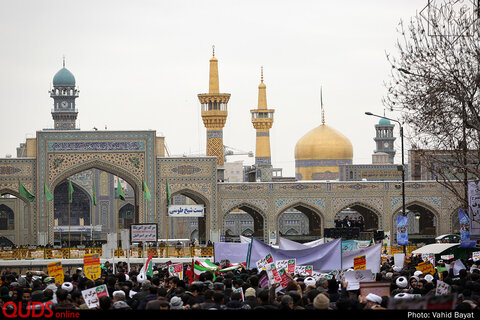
(402, 234)
(474, 209)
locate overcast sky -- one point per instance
(139, 65)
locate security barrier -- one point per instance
(76, 253)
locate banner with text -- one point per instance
(186, 211)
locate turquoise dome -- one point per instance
(64, 78)
(384, 122)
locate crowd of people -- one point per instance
(209, 291)
(350, 222)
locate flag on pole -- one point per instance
(147, 269)
(121, 195)
(94, 192)
(24, 193)
(204, 266)
(70, 191)
(190, 272)
(146, 191)
(48, 194)
(169, 193)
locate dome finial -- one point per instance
(64, 61)
(261, 74)
(213, 48)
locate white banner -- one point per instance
(76, 228)
(145, 232)
(286, 244)
(474, 209)
(186, 210)
(372, 257)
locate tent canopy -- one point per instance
(435, 248)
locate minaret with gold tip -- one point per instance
(262, 120)
(214, 113)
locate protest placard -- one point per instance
(399, 259)
(240, 290)
(354, 277)
(91, 266)
(360, 263)
(55, 270)
(176, 270)
(264, 261)
(92, 296)
(447, 257)
(426, 267)
(442, 288)
(476, 255)
(288, 265)
(272, 273)
(429, 257)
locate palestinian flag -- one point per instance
(204, 266)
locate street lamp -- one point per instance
(465, 124)
(403, 163)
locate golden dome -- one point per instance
(319, 153)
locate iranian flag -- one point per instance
(204, 266)
(232, 267)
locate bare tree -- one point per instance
(435, 84)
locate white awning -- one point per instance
(435, 248)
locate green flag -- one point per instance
(146, 191)
(24, 193)
(94, 192)
(121, 195)
(169, 193)
(48, 194)
(70, 191)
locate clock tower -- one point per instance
(64, 94)
(384, 138)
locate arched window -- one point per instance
(7, 220)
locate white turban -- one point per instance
(429, 278)
(67, 286)
(141, 277)
(418, 273)
(374, 298)
(401, 282)
(403, 295)
(309, 281)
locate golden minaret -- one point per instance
(214, 113)
(262, 120)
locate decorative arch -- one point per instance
(258, 215)
(134, 181)
(28, 206)
(7, 216)
(373, 210)
(84, 192)
(199, 198)
(316, 218)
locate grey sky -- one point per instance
(140, 65)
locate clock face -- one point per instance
(385, 144)
(64, 104)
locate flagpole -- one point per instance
(92, 221)
(69, 224)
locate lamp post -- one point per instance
(465, 123)
(404, 213)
